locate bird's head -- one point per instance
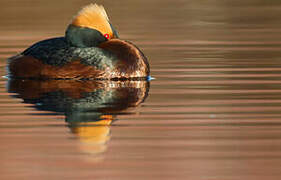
(90, 27)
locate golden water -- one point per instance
(213, 111)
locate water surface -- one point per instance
(213, 111)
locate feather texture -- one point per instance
(93, 16)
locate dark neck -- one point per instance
(83, 37)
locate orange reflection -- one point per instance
(89, 107)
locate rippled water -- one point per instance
(212, 112)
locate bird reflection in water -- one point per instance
(89, 107)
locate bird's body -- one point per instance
(89, 50)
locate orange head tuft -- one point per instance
(93, 16)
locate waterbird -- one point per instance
(90, 49)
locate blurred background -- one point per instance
(212, 112)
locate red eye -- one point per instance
(106, 36)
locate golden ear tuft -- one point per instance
(93, 16)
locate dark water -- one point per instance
(213, 111)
